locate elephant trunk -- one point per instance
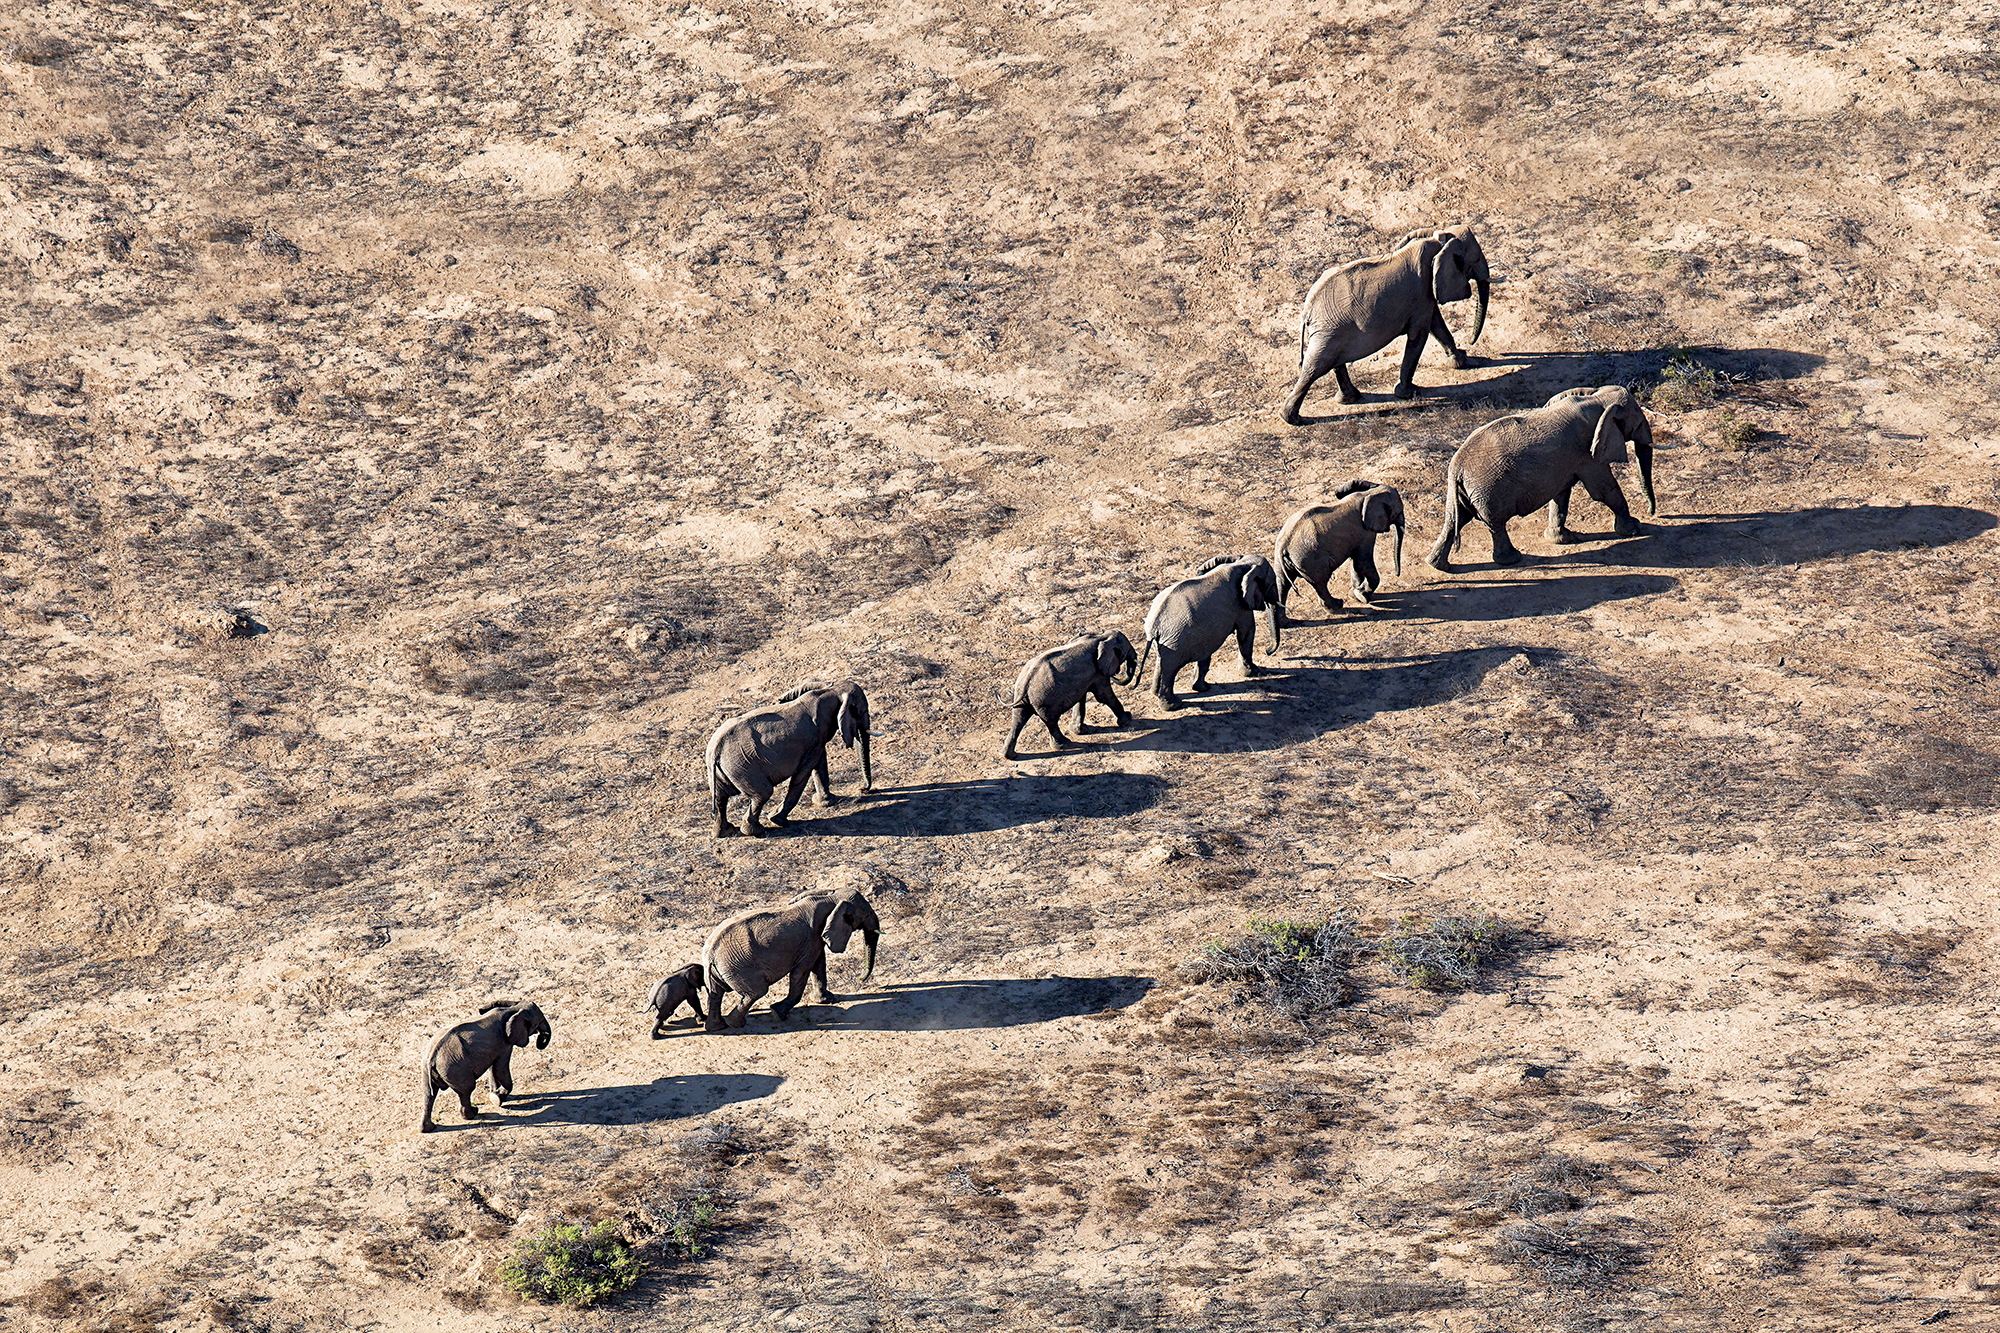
(869, 939)
(1131, 672)
(1399, 548)
(1645, 454)
(867, 769)
(1483, 286)
(1271, 616)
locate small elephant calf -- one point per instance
(472, 1048)
(1068, 677)
(674, 990)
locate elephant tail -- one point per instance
(714, 755)
(1144, 653)
(427, 1084)
(1453, 482)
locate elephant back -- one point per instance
(1196, 615)
(1055, 664)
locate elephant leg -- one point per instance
(465, 1106)
(1366, 577)
(1440, 552)
(1348, 393)
(1246, 641)
(782, 1010)
(1442, 332)
(756, 790)
(1021, 715)
(1052, 721)
(1413, 352)
(1163, 678)
(1314, 361)
(723, 791)
(741, 1013)
(1200, 685)
(1081, 725)
(712, 1020)
(1326, 597)
(1603, 487)
(819, 974)
(794, 790)
(503, 1075)
(1106, 696)
(1558, 532)
(1503, 546)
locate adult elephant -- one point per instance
(754, 950)
(1511, 467)
(1191, 619)
(1320, 538)
(751, 754)
(459, 1056)
(1358, 309)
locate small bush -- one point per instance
(1685, 386)
(1301, 966)
(571, 1264)
(1444, 953)
(1566, 1256)
(1733, 431)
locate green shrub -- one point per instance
(1301, 966)
(1444, 953)
(1685, 385)
(571, 1264)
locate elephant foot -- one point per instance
(1173, 704)
(426, 1129)
(1349, 399)
(1511, 558)
(1627, 529)
(1199, 687)
(1124, 720)
(1441, 564)
(1008, 754)
(753, 830)
(1460, 359)
(1252, 669)
(471, 1112)
(724, 831)
(828, 997)
(1561, 537)
(829, 799)
(1406, 391)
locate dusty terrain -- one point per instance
(425, 421)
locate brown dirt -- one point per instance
(424, 421)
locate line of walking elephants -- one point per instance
(1506, 469)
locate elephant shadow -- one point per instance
(670, 1098)
(1494, 599)
(988, 805)
(1529, 379)
(1787, 537)
(1297, 701)
(960, 1006)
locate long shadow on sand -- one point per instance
(984, 805)
(669, 1098)
(1298, 700)
(1487, 599)
(1777, 537)
(956, 1006)
(1531, 378)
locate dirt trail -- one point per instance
(531, 386)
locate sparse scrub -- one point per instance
(1564, 1255)
(1555, 1184)
(1685, 385)
(572, 1264)
(1301, 966)
(1444, 953)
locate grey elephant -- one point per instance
(1511, 467)
(1067, 677)
(1191, 619)
(1320, 538)
(458, 1058)
(754, 950)
(674, 990)
(1358, 309)
(749, 755)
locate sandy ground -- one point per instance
(425, 421)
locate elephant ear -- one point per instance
(1451, 270)
(834, 918)
(1607, 442)
(1107, 655)
(696, 976)
(521, 1025)
(1252, 586)
(853, 714)
(1352, 486)
(1378, 508)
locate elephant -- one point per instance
(1511, 467)
(753, 950)
(1067, 677)
(458, 1057)
(1315, 541)
(674, 990)
(1192, 618)
(750, 754)
(1358, 309)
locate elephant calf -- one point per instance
(752, 951)
(1511, 467)
(1320, 538)
(1067, 677)
(458, 1058)
(1358, 309)
(674, 990)
(1193, 618)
